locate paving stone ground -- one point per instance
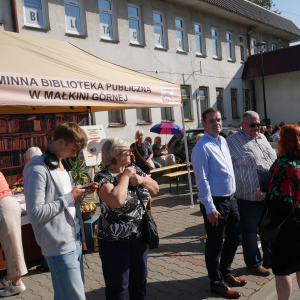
(176, 270)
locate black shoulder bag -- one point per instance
(149, 225)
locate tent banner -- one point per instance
(32, 90)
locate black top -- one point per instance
(145, 151)
(125, 222)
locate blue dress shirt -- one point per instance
(213, 170)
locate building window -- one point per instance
(180, 34)
(166, 114)
(116, 117)
(143, 115)
(220, 104)
(229, 45)
(198, 38)
(264, 48)
(1, 12)
(134, 18)
(234, 104)
(215, 43)
(159, 30)
(35, 13)
(186, 102)
(203, 99)
(247, 101)
(242, 47)
(73, 11)
(253, 47)
(274, 47)
(106, 19)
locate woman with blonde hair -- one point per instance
(142, 151)
(283, 202)
(161, 154)
(122, 244)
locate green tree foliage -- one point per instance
(266, 4)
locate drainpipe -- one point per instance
(253, 94)
(14, 15)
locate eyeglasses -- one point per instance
(252, 125)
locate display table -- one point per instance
(32, 250)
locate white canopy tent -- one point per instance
(39, 75)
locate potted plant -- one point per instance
(80, 172)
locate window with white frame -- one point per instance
(143, 115)
(220, 104)
(159, 31)
(106, 19)
(166, 114)
(35, 13)
(242, 47)
(274, 46)
(179, 23)
(203, 99)
(116, 117)
(186, 102)
(264, 47)
(198, 38)
(247, 100)
(134, 18)
(253, 46)
(234, 104)
(229, 45)
(215, 42)
(73, 11)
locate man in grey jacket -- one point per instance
(54, 212)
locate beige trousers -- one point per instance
(166, 160)
(10, 236)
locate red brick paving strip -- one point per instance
(200, 262)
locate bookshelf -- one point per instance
(20, 132)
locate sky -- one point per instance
(289, 9)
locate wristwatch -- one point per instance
(261, 195)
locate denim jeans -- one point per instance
(67, 274)
(219, 255)
(251, 212)
(124, 265)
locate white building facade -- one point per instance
(197, 44)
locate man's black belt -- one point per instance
(224, 198)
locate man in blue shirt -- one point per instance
(216, 187)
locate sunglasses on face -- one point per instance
(252, 125)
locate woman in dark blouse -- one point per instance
(122, 245)
(142, 151)
(283, 201)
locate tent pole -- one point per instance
(187, 159)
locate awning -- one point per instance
(39, 75)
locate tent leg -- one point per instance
(187, 159)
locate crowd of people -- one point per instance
(231, 204)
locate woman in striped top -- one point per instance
(11, 241)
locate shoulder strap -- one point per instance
(139, 153)
(140, 197)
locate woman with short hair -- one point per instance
(161, 154)
(142, 151)
(283, 201)
(122, 244)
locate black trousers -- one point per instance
(124, 265)
(219, 255)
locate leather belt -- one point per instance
(224, 198)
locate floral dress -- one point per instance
(283, 200)
(125, 222)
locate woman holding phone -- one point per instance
(161, 153)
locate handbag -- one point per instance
(150, 164)
(267, 230)
(149, 225)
